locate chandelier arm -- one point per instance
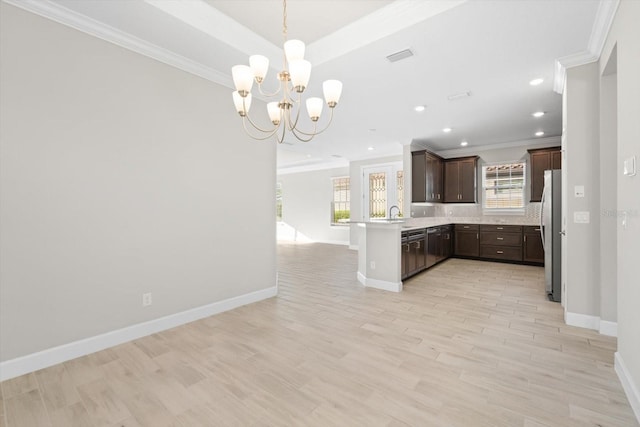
(315, 127)
(260, 138)
(256, 127)
(298, 104)
(297, 133)
(269, 95)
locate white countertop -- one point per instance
(417, 223)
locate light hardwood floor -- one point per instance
(467, 343)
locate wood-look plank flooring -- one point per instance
(468, 343)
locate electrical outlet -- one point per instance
(373, 265)
(146, 300)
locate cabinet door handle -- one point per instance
(525, 238)
(418, 247)
(407, 250)
(438, 196)
(477, 236)
(499, 252)
(500, 238)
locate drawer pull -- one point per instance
(499, 228)
(537, 229)
(465, 226)
(500, 238)
(499, 252)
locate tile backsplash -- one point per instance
(531, 212)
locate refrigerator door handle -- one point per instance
(542, 218)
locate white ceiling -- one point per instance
(491, 49)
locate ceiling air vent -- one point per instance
(458, 96)
(398, 56)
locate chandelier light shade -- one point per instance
(293, 80)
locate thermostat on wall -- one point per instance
(629, 168)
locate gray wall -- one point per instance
(625, 37)
(582, 167)
(608, 196)
(306, 201)
(119, 176)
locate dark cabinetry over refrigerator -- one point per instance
(541, 160)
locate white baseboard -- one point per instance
(52, 356)
(334, 242)
(609, 328)
(582, 320)
(630, 388)
(604, 327)
(379, 284)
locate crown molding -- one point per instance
(298, 168)
(601, 26)
(206, 18)
(550, 141)
(58, 13)
(379, 24)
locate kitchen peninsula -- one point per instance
(390, 251)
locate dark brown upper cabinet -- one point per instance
(426, 177)
(418, 182)
(460, 180)
(541, 160)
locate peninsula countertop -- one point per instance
(418, 223)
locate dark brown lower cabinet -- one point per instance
(532, 245)
(404, 249)
(446, 245)
(501, 242)
(466, 240)
(413, 247)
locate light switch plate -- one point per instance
(629, 168)
(578, 190)
(581, 217)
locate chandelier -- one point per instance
(293, 80)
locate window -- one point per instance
(503, 186)
(340, 206)
(279, 202)
(383, 188)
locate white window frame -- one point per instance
(391, 169)
(503, 211)
(339, 224)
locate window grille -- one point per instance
(340, 206)
(503, 186)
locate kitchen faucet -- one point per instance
(391, 208)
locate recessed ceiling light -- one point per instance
(447, 130)
(464, 143)
(540, 133)
(536, 82)
(370, 148)
(538, 114)
(419, 108)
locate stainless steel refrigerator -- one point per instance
(550, 229)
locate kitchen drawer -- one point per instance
(498, 238)
(502, 228)
(467, 227)
(531, 229)
(508, 253)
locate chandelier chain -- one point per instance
(284, 19)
